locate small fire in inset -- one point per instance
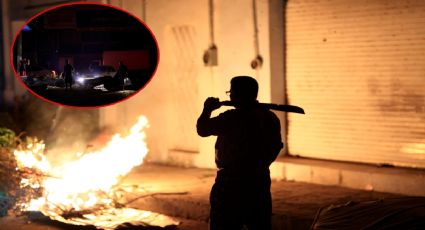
(85, 185)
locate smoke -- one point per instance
(65, 131)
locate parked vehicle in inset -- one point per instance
(98, 75)
(34, 71)
(38, 78)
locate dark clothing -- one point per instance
(22, 67)
(121, 74)
(235, 202)
(248, 141)
(67, 70)
(122, 70)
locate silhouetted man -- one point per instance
(67, 71)
(122, 73)
(248, 141)
(23, 64)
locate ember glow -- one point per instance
(86, 185)
(32, 157)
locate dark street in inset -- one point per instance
(85, 55)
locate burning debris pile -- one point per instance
(84, 191)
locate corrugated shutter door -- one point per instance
(357, 67)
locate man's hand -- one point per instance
(211, 104)
(205, 125)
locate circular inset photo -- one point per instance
(84, 55)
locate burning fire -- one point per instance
(86, 185)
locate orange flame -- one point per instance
(87, 184)
(87, 181)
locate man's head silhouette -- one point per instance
(243, 89)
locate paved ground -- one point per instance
(183, 193)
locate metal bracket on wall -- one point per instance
(210, 57)
(258, 60)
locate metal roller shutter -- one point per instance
(358, 69)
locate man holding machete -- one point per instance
(248, 141)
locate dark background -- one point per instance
(81, 33)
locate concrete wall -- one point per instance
(406, 181)
(7, 33)
(174, 98)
